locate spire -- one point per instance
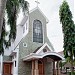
(37, 2)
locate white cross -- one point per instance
(37, 2)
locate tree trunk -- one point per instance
(2, 9)
(71, 66)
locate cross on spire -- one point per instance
(37, 2)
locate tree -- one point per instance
(11, 7)
(68, 28)
(2, 6)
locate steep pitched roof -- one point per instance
(40, 12)
(24, 20)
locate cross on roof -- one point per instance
(37, 2)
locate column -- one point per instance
(54, 72)
(36, 67)
(33, 66)
(58, 69)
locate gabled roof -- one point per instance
(40, 12)
(39, 53)
(37, 49)
(42, 47)
(68, 64)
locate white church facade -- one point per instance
(32, 53)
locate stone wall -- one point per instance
(48, 67)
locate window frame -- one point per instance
(38, 36)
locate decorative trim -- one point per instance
(42, 30)
(44, 47)
(33, 56)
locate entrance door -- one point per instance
(7, 69)
(40, 67)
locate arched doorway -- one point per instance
(41, 67)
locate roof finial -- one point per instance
(37, 2)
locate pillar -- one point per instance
(33, 66)
(36, 67)
(54, 72)
(58, 69)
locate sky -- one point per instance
(50, 8)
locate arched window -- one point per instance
(37, 31)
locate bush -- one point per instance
(69, 73)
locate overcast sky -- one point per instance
(51, 10)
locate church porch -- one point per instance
(46, 64)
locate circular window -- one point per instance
(44, 50)
(24, 45)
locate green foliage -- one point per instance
(68, 28)
(12, 9)
(2, 40)
(61, 64)
(69, 73)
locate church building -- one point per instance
(31, 53)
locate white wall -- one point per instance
(15, 69)
(19, 36)
(26, 28)
(1, 64)
(0, 68)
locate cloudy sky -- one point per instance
(54, 29)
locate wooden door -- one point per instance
(7, 69)
(41, 68)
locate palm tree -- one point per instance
(12, 8)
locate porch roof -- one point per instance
(68, 65)
(7, 61)
(53, 55)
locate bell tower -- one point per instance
(37, 32)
